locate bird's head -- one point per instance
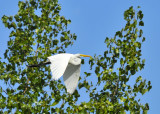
(76, 58)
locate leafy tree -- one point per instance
(121, 61)
(38, 31)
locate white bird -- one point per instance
(67, 65)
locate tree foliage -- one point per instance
(121, 61)
(38, 31)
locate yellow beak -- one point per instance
(85, 55)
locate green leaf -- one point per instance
(143, 39)
(62, 39)
(141, 23)
(140, 15)
(139, 79)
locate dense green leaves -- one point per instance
(38, 31)
(121, 61)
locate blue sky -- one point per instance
(93, 21)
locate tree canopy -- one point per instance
(38, 31)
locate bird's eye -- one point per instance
(75, 59)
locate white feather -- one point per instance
(71, 77)
(59, 64)
(67, 65)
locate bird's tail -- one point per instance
(38, 65)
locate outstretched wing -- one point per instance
(58, 65)
(71, 77)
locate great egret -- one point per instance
(67, 65)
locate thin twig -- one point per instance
(26, 87)
(37, 49)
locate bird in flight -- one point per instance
(67, 65)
